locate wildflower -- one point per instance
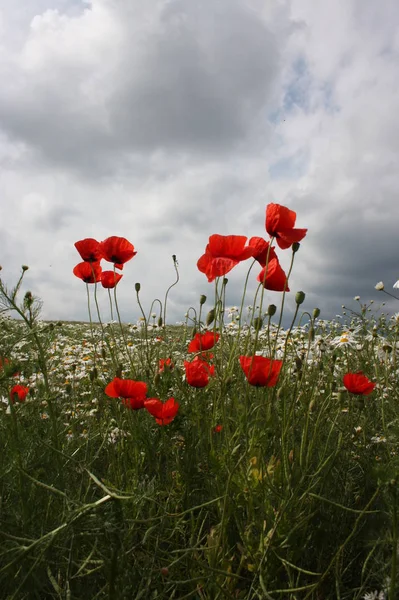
(280, 223)
(261, 371)
(217, 428)
(133, 393)
(396, 284)
(117, 250)
(165, 364)
(89, 272)
(374, 595)
(164, 413)
(20, 391)
(357, 383)
(223, 253)
(261, 250)
(109, 279)
(345, 339)
(198, 372)
(204, 341)
(89, 249)
(379, 286)
(274, 278)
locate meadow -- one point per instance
(222, 458)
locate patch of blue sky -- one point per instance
(289, 167)
(303, 89)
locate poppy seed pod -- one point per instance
(137, 287)
(202, 299)
(299, 297)
(271, 310)
(316, 313)
(210, 317)
(295, 247)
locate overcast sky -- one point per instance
(166, 121)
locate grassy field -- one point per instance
(257, 481)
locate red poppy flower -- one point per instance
(20, 391)
(89, 272)
(109, 279)
(261, 248)
(203, 341)
(165, 364)
(3, 363)
(117, 250)
(357, 383)
(198, 372)
(261, 371)
(217, 428)
(164, 413)
(222, 253)
(276, 279)
(280, 223)
(133, 393)
(89, 249)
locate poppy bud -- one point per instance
(298, 363)
(68, 388)
(103, 353)
(258, 322)
(225, 281)
(137, 287)
(311, 334)
(157, 379)
(271, 310)
(59, 324)
(299, 297)
(174, 258)
(28, 300)
(93, 374)
(119, 371)
(24, 267)
(316, 313)
(295, 247)
(165, 571)
(210, 317)
(202, 299)
(160, 322)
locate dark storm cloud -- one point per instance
(194, 79)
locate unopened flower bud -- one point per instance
(311, 334)
(119, 371)
(157, 379)
(258, 322)
(225, 281)
(210, 317)
(202, 299)
(93, 374)
(295, 247)
(103, 353)
(137, 287)
(271, 310)
(25, 267)
(316, 313)
(299, 297)
(160, 322)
